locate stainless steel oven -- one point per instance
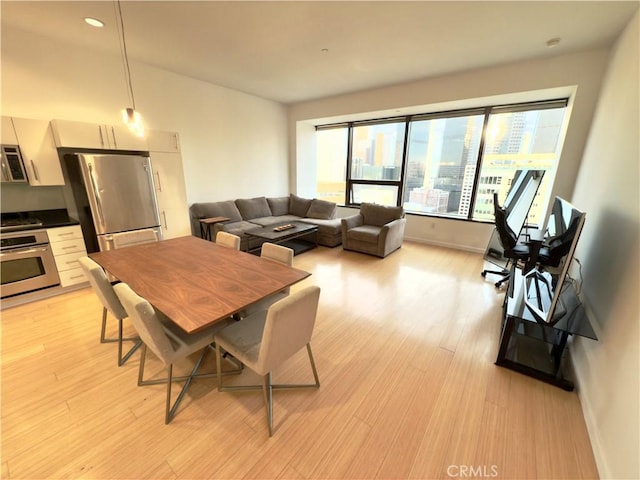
(26, 262)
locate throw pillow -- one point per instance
(321, 209)
(298, 205)
(279, 206)
(253, 207)
(379, 215)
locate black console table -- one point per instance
(535, 348)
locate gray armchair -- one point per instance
(377, 230)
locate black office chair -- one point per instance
(513, 251)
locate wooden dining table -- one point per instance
(194, 282)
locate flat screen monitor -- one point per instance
(543, 289)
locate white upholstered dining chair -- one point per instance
(228, 240)
(110, 304)
(265, 340)
(136, 237)
(276, 253)
(168, 342)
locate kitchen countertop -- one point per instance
(49, 218)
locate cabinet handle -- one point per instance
(113, 134)
(101, 136)
(70, 247)
(159, 183)
(175, 139)
(76, 276)
(164, 215)
(35, 170)
(63, 234)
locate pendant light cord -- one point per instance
(123, 48)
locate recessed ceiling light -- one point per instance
(94, 22)
(553, 42)
(324, 50)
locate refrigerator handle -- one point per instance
(5, 176)
(96, 194)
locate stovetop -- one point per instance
(17, 221)
(12, 222)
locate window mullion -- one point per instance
(476, 176)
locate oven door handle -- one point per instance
(23, 251)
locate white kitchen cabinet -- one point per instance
(171, 194)
(38, 151)
(67, 245)
(160, 141)
(68, 133)
(8, 133)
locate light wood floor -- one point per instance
(404, 348)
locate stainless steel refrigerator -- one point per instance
(112, 193)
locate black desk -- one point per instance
(537, 349)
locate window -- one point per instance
(332, 164)
(441, 164)
(446, 164)
(376, 158)
(518, 140)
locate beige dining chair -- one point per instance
(265, 340)
(279, 254)
(228, 240)
(110, 304)
(136, 237)
(169, 343)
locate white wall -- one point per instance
(608, 190)
(579, 74)
(233, 144)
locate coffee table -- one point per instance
(290, 237)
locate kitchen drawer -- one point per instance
(69, 261)
(68, 246)
(72, 277)
(64, 233)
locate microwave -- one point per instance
(12, 169)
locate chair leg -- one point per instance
(168, 413)
(104, 327)
(123, 359)
(171, 410)
(267, 386)
(313, 366)
(268, 400)
(119, 338)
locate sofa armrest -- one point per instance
(353, 221)
(391, 236)
(349, 223)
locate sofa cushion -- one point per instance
(237, 228)
(379, 215)
(217, 209)
(253, 207)
(321, 209)
(365, 233)
(299, 206)
(268, 221)
(278, 205)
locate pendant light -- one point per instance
(131, 118)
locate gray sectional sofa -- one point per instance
(250, 213)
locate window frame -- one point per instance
(400, 184)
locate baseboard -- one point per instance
(588, 411)
(454, 246)
(24, 298)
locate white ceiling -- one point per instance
(274, 49)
